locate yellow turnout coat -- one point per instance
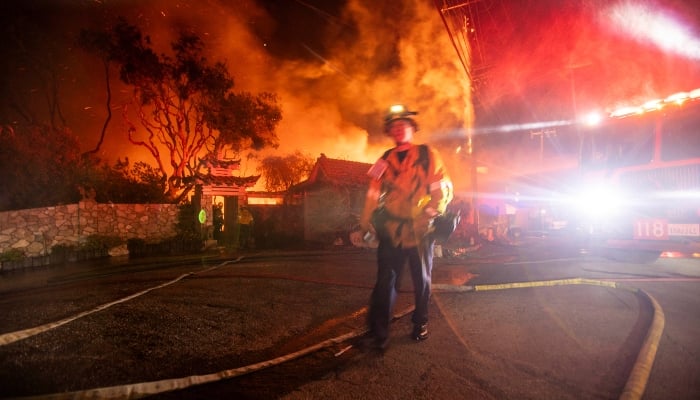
(411, 191)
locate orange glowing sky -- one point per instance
(333, 91)
(337, 65)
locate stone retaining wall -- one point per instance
(35, 231)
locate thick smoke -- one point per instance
(368, 56)
(379, 54)
(546, 59)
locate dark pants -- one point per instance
(391, 261)
(244, 236)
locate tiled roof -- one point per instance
(246, 181)
(340, 172)
(213, 162)
(335, 172)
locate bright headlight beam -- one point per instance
(647, 24)
(593, 119)
(680, 194)
(598, 201)
(520, 127)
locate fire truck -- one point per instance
(639, 189)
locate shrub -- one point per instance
(12, 255)
(186, 219)
(136, 247)
(62, 249)
(184, 242)
(101, 242)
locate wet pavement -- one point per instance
(237, 318)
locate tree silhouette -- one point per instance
(39, 165)
(281, 172)
(185, 104)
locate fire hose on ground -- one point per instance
(634, 387)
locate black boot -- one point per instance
(420, 332)
(370, 342)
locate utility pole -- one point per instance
(462, 28)
(542, 134)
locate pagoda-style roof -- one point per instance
(212, 161)
(213, 180)
(219, 179)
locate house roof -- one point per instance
(211, 161)
(336, 172)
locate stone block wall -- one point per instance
(36, 230)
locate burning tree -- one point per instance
(282, 172)
(184, 103)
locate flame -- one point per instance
(335, 89)
(353, 59)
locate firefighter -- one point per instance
(409, 187)
(245, 220)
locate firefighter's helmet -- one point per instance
(399, 112)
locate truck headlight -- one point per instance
(599, 202)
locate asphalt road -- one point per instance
(283, 325)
